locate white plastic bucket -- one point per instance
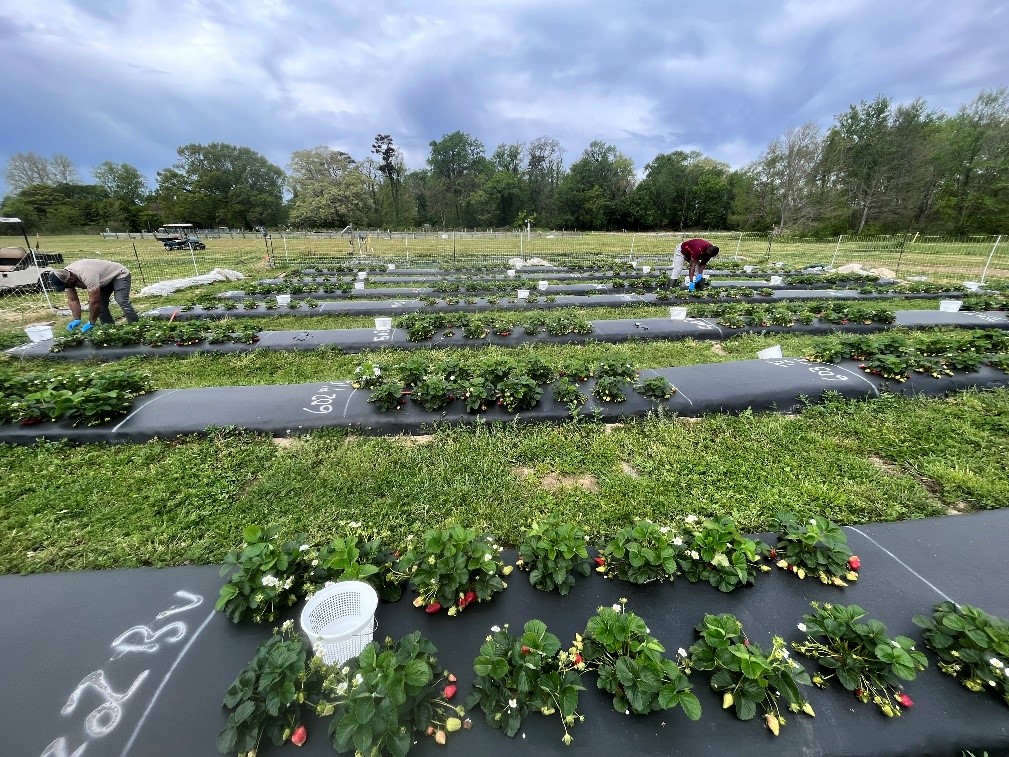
(747, 269)
(358, 285)
(383, 324)
(542, 285)
(390, 266)
(339, 620)
(770, 353)
(523, 294)
(972, 286)
(776, 280)
(949, 306)
(39, 332)
(283, 300)
(511, 273)
(646, 269)
(362, 275)
(677, 314)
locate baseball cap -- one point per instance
(56, 279)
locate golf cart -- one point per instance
(189, 243)
(22, 266)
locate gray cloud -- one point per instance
(132, 82)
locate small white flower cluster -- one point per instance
(271, 580)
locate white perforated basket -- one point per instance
(340, 620)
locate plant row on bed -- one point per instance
(394, 692)
(88, 397)
(788, 314)
(984, 302)
(514, 383)
(422, 326)
(934, 353)
(453, 567)
(158, 333)
(269, 303)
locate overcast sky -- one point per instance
(131, 81)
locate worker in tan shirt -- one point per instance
(103, 280)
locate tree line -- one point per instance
(881, 167)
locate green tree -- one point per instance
(594, 193)
(457, 162)
(544, 169)
(222, 185)
(974, 195)
(328, 190)
(682, 190)
(127, 194)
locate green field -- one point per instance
(72, 507)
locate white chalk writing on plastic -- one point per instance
(323, 402)
(58, 748)
(194, 600)
(148, 638)
(105, 717)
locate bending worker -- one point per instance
(103, 279)
(698, 252)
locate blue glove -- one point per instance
(697, 278)
(691, 286)
(87, 327)
(73, 324)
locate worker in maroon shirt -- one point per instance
(698, 252)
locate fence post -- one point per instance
(770, 237)
(139, 266)
(837, 247)
(990, 256)
(739, 243)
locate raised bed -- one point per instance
(610, 331)
(782, 385)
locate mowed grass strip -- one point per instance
(174, 503)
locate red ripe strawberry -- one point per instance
(854, 563)
(600, 560)
(905, 700)
(470, 596)
(432, 608)
(858, 693)
(525, 649)
(300, 735)
(578, 659)
(450, 690)
(774, 553)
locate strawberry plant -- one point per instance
(860, 655)
(617, 369)
(610, 389)
(553, 551)
(477, 394)
(656, 388)
(267, 697)
(565, 391)
(266, 576)
(519, 392)
(617, 644)
(517, 675)
(641, 553)
(91, 397)
(972, 646)
(724, 557)
(747, 676)
(368, 375)
(452, 567)
(433, 393)
(816, 547)
(387, 395)
(383, 700)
